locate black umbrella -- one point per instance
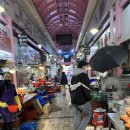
(107, 58)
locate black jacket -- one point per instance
(4, 85)
(64, 80)
(80, 90)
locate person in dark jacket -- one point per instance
(63, 82)
(32, 77)
(8, 96)
(80, 96)
(46, 77)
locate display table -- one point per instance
(27, 102)
(114, 118)
(30, 97)
(28, 111)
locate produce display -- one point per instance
(126, 119)
(20, 91)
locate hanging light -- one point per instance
(59, 51)
(1, 9)
(41, 68)
(72, 50)
(13, 69)
(40, 46)
(94, 31)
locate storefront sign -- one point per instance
(5, 42)
(87, 50)
(22, 39)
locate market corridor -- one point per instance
(60, 117)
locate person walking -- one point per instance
(8, 96)
(32, 77)
(63, 82)
(80, 96)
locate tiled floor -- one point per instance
(60, 118)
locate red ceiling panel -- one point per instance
(62, 16)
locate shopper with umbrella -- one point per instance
(107, 58)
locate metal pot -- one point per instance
(120, 108)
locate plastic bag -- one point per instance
(29, 126)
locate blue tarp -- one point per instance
(29, 126)
(41, 100)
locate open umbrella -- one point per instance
(107, 58)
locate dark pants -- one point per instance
(7, 126)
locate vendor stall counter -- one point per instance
(28, 111)
(114, 118)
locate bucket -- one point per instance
(13, 108)
(99, 117)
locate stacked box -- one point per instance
(38, 106)
(47, 108)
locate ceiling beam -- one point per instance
(32, 11)
(88, 15)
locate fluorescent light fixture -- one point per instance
(94, 31)
(89, 68)
(66, 56)
(41, 68)
(1, 9)
(12, 71)
(114, 29)
(40, 46)
(72, 50)
(5, 52)
(59, 51)
(29, 67)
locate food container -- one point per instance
(127, 100)
(122, 108)
(13, 108)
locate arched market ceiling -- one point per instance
(62, 17)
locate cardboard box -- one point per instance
(38, 106)
(47, 108)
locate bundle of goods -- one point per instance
(42, 80)
(48, 83)
(58, 88)
(126, 119)
(20, 91)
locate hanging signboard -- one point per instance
(22, 39)
(5, 42)
(87, 50)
